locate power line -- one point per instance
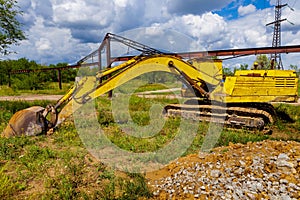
(276, 58)
(291, 9)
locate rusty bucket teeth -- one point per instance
(29, 122)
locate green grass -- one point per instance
(52, 167)
(7, 91)
(139, 108)
(154, 87)
(58, 166)
(7, 185)
(51, 88)
(299, 88)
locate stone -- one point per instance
(156, 193)
(283, 181)
(249, 174)
(259, 187)
(283, 156)
(284, 163)
(215, 173)
(285, 197)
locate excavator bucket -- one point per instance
(29, 122)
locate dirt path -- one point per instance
(161, 91)
(32, 97)
(148, 94)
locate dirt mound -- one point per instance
(268, 169)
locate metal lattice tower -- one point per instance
(277, 33)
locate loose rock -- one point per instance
(263, 170)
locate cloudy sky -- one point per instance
(67, 30)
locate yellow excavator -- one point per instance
(242, 100)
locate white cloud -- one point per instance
(245, 10)
(52, 45)
(81, 13)
(207, 29)
(67, 30)
(197, 7)
(251, 30)
(43, 44)
(121, 3)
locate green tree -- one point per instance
(5, 67)
(10, 27)
(295, 67)
(244, 67)
(263, 62)
(227, 71)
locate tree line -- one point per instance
(262, 61)
(32, 80)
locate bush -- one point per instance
(27, 82)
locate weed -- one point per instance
(107, 174)
(109, 191)
(11, 148)
(67, 135)
(243, 137)
(50, 88)
(61, 188)
(7, 186)
(35, 158)
(19, 105)
(288, 117)
(135, 187)
(131, 187)
(7, 91)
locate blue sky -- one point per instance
(67, 30)
(231, 10)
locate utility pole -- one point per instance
(276, 58)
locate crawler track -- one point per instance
(253, 116)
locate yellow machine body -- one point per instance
(246, 86)
(261, 86)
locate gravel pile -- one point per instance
(264, 170)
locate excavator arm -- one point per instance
(91, 88)
(94, 86)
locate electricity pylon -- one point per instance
(276, 58)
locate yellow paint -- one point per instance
(262, 86)
(244, 86)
